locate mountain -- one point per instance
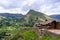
(26, 20)
(35, 16)
(57, 16)
(16, 17)
(7, 19)
(11, 15)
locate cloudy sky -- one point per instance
(48, 7)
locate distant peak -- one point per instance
(31, 10)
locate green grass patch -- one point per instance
(48, 37)
(29, 35)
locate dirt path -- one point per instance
(55, 31)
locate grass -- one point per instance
(29, 35)
(48, 37)
(26, 34)
(9, 30)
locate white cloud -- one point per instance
(30, 2)
(50, 7)
(14, 10)
(22, 6)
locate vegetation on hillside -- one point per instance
(29, 35)
(11, 26)
(49, 37)
(22, 20)
(34, 16)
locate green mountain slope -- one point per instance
(34, 16)
(15, 17)
(7, 19)
(25, 20)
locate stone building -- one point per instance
(48, 24)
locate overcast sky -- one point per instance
(48, 7)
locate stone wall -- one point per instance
(58, 25)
